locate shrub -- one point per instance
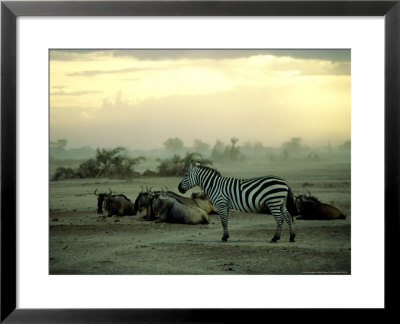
(108, 163)
(177, 166)
(63, 173)
(88, 169)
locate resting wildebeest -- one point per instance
(142, 202)
(119, 205)
(199, 200)
(310, 207)
(171, 210)
(100, 200)
(203, 202)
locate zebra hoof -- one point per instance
(274, 239)
(225, 238)
(292, 238)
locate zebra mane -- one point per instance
(208, 168)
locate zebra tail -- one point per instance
(290, 204)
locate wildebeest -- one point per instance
(170, 210)
(199, 200)
(142, 202)
(203, 202)
(119, 205)
(100, 199)
(310, 207)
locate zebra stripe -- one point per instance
(247, 195)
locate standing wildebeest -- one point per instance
(100, 199)
(248, 195)
(119, 205)
(310, 207)
(171, 210)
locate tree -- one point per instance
(218, 150)
(234, 140)
(108, 163)
(105, 158)
(60, 144)
(173, 144)
(57, 149)
(232, 152)
(292, 147)
(176, 166)
(221, 151)
(88, 169)
(63, 173)
(115, 162)
(200, 146)
(258, 146)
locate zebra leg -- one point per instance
(223, 215)
(276, 212)
(288, 219)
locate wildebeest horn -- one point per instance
(95, 192)
(110, 191)
(309, 193)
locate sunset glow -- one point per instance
(139, 98)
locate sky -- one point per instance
(140, 98)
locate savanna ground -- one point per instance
(84, 242)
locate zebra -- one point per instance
(248, 195)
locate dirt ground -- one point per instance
(84, 242)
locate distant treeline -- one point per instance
(294, 148)
(120, 163)
(115, 163)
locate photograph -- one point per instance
(199, 161)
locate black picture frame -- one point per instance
(10, 10)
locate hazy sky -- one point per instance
(139, 98)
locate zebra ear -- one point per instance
(197, 163)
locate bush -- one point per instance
(88, 169)
(177, 166)
(108, 163)
(64, 173)
(221, 151)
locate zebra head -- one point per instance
(189, 180)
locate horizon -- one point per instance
(239, 144)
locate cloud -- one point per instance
(74, 93)
(91, 73)
(261, 95)
(250, 114)
(335, 55)
(77, 54)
